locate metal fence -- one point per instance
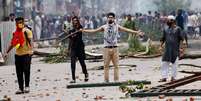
(6, 30)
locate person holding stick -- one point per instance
(77, 51)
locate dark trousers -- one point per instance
(185, 36)
(80, 55)
(200, 30)
(23, 64)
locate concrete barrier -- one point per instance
(6, 30)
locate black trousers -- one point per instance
(80, 55)
(185, 36)
(23, 65)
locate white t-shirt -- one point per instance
(192, 20)
(111, 34)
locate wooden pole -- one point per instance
(106, 84)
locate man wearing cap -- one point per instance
(172, 37)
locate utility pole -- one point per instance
(4, 8)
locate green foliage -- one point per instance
(57, 57)
(135, 45)
(172, 5)
(151, 30)
(153, 50)
(129, 90)
(140, 86)
(123, 88)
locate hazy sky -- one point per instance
(127, 6)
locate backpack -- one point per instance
(26, 36)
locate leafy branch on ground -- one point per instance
(135, 47)
(57, 57)
(128, 90)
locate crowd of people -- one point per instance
(46, 26)
(175, 28)
(49, 25)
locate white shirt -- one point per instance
(111, 34)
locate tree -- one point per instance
(167, 6)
